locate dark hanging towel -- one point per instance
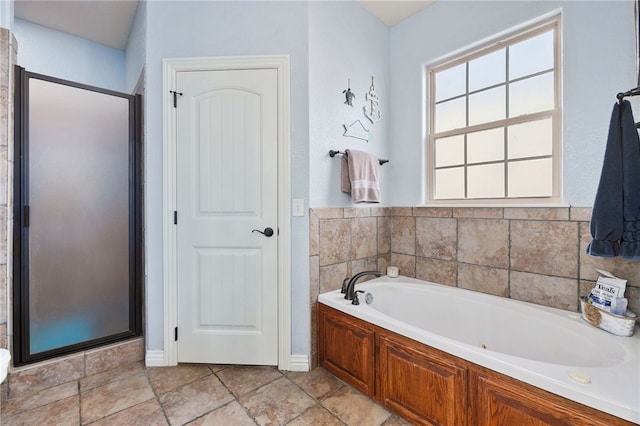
(615, 218)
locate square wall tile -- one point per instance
(364, 233)
(331, 276)
(403, 235)
(436, 271)
(484, 242)
(484, 279)
(548, 248)
(561, 293)
(436, 238)
(366, 264)
(406, 264)
(626, 269)
(335, 241)
(384, 235)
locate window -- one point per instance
(494, 123)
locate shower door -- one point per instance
(77, 216)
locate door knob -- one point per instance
(267, 231)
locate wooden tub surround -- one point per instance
(427, 386)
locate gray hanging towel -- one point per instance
(615, 218)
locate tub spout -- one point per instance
(351, 286)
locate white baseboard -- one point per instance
(299, 363)
(155, 358)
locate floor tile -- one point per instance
(396, 421)
(276, 403)
(164, 379)
(316, 415)
(195, 399)
(318, 383)
(243, 379)
(114, 397)
(230, 414)
(354, 408)
(60, 413)
(149, 413)
(38, 399)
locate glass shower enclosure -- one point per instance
(77, 210)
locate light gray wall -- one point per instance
(190, 29)
(598, 61)
(50, 52)
(135, 51)
(345, 42)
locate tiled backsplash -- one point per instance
(531, 254)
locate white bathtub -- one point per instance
(539, 345)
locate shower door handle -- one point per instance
(267, 231)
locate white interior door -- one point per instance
(227, 274)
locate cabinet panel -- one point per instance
(422, 384)
(346, 348)
(503, 401)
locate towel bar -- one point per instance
(333, 153)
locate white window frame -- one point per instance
(555, 115)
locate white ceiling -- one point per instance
(109, 21)
(392, 12)
(103, 21)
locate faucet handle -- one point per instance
(355, 300)
(345, 284)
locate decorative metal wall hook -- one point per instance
(373, 112)
(348, 94)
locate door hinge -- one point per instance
(25, 216)
(175, 97)
(176, 334)
(175, 217)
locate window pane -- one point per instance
(487, 145)
(530, 139)
(487, 106)
(449, 151)
(450, 115)
(531, 95)
(530, 178)
(486, 181)
(451, 82)
(450, 183)
(487, 70)
(531, 56)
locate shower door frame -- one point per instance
(20, 300)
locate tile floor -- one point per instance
(198, 395)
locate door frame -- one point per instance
(170, 68)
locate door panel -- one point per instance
(227, 187)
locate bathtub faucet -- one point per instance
(351, 287)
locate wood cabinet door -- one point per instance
(346, 348)
(503, 401)
(424, 385)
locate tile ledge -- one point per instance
(493, 206)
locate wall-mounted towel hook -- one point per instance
(333, 153)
